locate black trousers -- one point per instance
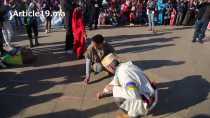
(189, 18)
(179, 18)
(94, 15)
(69, 33)
(32, 27)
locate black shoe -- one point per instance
(194, 40)
(36, 41)
(31, 45)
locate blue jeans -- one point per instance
(200, 29)
(151, 20)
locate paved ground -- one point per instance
(52, 87)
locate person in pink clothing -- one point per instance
(173, 17)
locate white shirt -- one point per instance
(130, 83)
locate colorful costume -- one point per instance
(79, 33)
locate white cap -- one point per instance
(107, 60)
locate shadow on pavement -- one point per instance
(11, 105)
(22, 37)
(151, 64)
(52, 43)
(143, 42)
(71, 74)
(201, 116)
(19, 92)
(134, 46)
(181, 94)
(143, 48)
(183, 28)
(72, 113)
(49, 55)
(171, 29)
(118, 27)
(125, 37)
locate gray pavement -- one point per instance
(52, 87)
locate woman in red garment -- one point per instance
(78, 28)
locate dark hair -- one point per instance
(98, 39)
(115, 63)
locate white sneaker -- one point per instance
(197, 39)
(131, 24)
(46, 31)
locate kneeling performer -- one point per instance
(132, 90)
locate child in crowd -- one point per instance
(114, 18)
(102, 18)
(132, 16)
(173, 17)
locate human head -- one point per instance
(98, 41)
(78, 11)
(127, 2)
(110, 62)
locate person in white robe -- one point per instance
(131, 88)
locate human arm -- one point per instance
(87, 66)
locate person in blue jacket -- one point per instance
(161, 7)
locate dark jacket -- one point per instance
(180, 7)
(206, 15)
(201, 10)
(3, 11)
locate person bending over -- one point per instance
(133, 92)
